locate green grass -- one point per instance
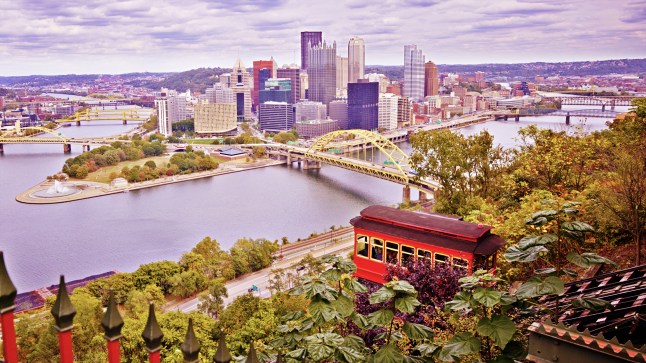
(200, 141)
(103, 175)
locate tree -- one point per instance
(212, 300)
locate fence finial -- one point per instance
(112, 321)
(63, 310)
(222, 355)
(152, 332)
(191, 346)
(252, 357)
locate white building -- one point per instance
(413, 73)
(171, 108)
(380, 78)
(309, 110)
(388, 111)
(356, 59)
(219, 93)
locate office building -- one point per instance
(388, 107)
(219, 93)
(315, 128)
(277, 90)
(338, 110)
(304, 85)
(293, 74)
(171, 108)
(309, 110)
(269, 67)
(378, 77)
(431, 80)
(404, 112)
(356, 59)
(363, 105)
(308, 40)
(241, 91)
(215, 119)
(322, 73)
(413, 73)
(341, 72)
(276, 116)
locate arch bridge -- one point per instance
(333, 149)
(95, 114)
(43, 135)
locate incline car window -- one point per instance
(362, 246)
(392, 252)
(408, 253)
(377, 251)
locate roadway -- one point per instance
(342, 242)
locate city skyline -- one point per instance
(48, 37)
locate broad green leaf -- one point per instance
(354, 342)
(348, 355)
(540, 221)
(592, 303)
(346, 266)
(427, 350)
(417, 331)
(461, 301)
(322, 312)
(319, 352)
(343, 305)
(487, 296)
(409, 359)
(577, 226)
(381, 317)
(469, 282)
(507, 299)
(499, 328)
(571, 211)
(407, 304)
(547, 213)
(588, 259)
(461, 344)
(298, 354)
(515, 350)
(570, 204)
(354, 286)
(535, 286)
(529, 241)
(361, 321)
(402, 286)
(381, 295)
(389, 354)
(294, 315)
(518, 254)
(545, 271)
(569, 272)
(332, 275)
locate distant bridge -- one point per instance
(94, 114)
(32, 135)
(528, 112)
(602, 101)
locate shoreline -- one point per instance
(87, 189)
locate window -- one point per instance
(377, 251)
(440, 258)
(392, 253)
(408, 254)
(460, 263)
(424, 254)
(362, 246)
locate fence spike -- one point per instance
(63, 310)
(152, 332)
(191, 346)
(252, 357)
(112, 321)
(222, 355)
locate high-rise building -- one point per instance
(413, 73)
(277, 90)
(388, 107)
(363, 105)
(339, 112)
(241, 91)
(431, 80)
(293, 74)
(309, 39)
(341, 72)
(404, 112)
(356, 59)
(276, 116)
(219, 93)
(315, 128)
(213, 119)
(171, 108)
(378, 77)
(309, 110)
(305, 85)
(258, 65)
(322, 73)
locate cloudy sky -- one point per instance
(96, 36)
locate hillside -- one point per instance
(197, 80)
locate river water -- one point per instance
(120, 232)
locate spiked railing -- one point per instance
(112, 323)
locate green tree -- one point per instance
(212, 300)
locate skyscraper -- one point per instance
(257, 66)
(322, 73)
(388, 107)
(431, 80)
(241, 90)
(293, 73)
(413, 73)
(363, 105)
(341, 72)
(309, 39)
(356, 59)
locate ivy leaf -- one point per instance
(487, 296)
(389, 354)
(417, 331)
(529, 254)
(529, 241)
(588, 259)
(534, 286)
(461, 301)
(461, 344)
(406, 304)
(499, 328)
(381, 317)
(593, 304)
(381, 295)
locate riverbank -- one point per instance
(86, 189)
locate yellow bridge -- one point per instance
(333, 147)
(43, 135)
(96, 114)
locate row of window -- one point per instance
(396, 253)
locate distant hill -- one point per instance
(195, 80)
(529, 70)
(46, 80)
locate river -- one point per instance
(120, 232)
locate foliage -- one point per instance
(284, 137)
(250, 255)
(184, 126)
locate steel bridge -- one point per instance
(602, 101)
(32, 135)
(94, 114)
(332, 149)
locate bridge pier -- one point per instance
(517, 118)
(67, 148)
(422, 197)
(612, 105)
(567, 119)
(311, 164)
(406, 195)
(505, 117)
(603, 107)
(86, 148)
(125, 122)
(78, 123)
(289, 158)
(1, 148)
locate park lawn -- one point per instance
(200, 141)
(103, 175)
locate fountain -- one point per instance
(57, 190)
